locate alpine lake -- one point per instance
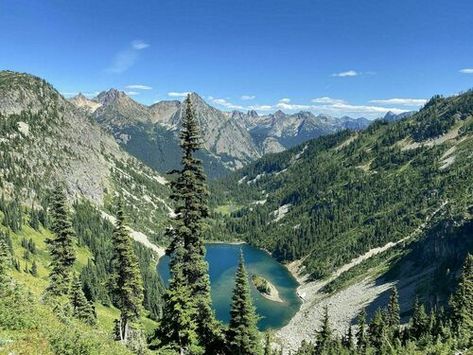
(223, 261)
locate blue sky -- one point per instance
(354, 57)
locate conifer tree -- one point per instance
(61, 246)
(348, 341)
(81, 308)
(190, 193)
(127, 284)
(377, 330)
(4, 262)
(462, 302)
(177, 328)
(361, 335)
(34, 269)
(393, 313)
(324, 335)
(419, 322)
(243, 335)
(267, 344)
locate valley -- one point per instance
(336, 221)
(236, 177)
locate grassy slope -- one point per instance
(41, 334)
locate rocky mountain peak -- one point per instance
(110, 96)
(83, 102)
(198, 102)
(279, 114)
(20, 91)
(252, 114)
(79, 96)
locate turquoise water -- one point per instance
(223, 261)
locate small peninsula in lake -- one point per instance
(266, 288)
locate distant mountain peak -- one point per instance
(279, 114)
(111, 95)
(197, 100)
(252, 114)
(83, 102)
(80, 96)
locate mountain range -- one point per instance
(231, 139)
(351, 213)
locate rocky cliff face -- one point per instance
(161, 112)
(223, 136)
(45, 139)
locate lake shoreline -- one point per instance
(275, 309)
(224, 242)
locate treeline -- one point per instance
(427, 332)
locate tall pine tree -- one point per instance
(393, 313)
(61, 246)
(127, 284)
(377, 331)
(190, 193)
(362, 340)
(462, 302)
(324, 335)
(419, 321)
(177, 328)
(348, 340)
(243, 335)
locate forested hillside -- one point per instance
(45, 139)
(28, 324)
(337, 197)
(45, 142)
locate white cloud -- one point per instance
(349, 109)
(291, 107)
(347, 73)
(132, 93)
(327, 100)
(227, 104)
(139, 87)
(138, 44)
(261, 107)
(178, 94)
(285, 100)
(247, 97)
(126, 58)
(400, 101)
(467, 71)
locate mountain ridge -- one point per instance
(45, 139)
(231, 139)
